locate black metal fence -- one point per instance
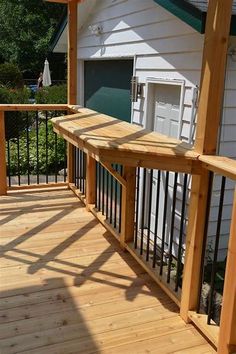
(160, 218)
(80, 170)
(35, 154)
(108, 195)
(214, 255)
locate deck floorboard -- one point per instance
(66, 286)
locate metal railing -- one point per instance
(35, 154)
(161, 221)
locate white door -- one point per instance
(167, 109)
(166, 120)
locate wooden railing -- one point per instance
(171, 247)
(34, 153)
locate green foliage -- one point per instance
(14, 121)
(26, 27)
(53, 94)
(49, 161)
(10, 75)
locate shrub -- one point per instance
(10, 75)
(14, 121)
(52, 94)
(53, 165)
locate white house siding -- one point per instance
(162, 47)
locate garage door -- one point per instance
(107, 87)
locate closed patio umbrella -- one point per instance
(46, 74)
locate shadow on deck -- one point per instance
(66, 287)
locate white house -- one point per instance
(160, 42)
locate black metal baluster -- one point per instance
(107, 190)
(81, 170)
(156, 219)
(46, 145)
(214, 264)
(111, 200)
(149, 215)
(120, 201)
(37, 144)
(143, 210)
(208, 207)
(181, 232)
(99, 187)
(28, 147)
(9, 162)
(18, 151)
(115, 199)
(137, 209)
(96, 194)
(85, 164)
(164, 223)
(65, 160)
(56, 158)
(77, 167)
(172, 227)
(103, 190)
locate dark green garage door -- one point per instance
(107, 87)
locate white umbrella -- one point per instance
(46, 74)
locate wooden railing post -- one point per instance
(194, 243)
(90, 180)
(128, 206)
(209, 117)
(3, 167)
(72, 75)
(227, 335)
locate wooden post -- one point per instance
(227, 336)
(72, 74)
(3, 167)
(90, 180)
(128, 206)
(213, 75)
(209, 117)
(194, 243)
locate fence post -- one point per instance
(72, 74)
(128, 206)
(227, 335)
(194, 243)
(90, 180)
(3, 167)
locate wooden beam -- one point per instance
(128, 206)
(209, 114)
(3, 167)
(90, 180)
(72, 75)
(227, 337)
(115, 174)
(194, 243)
(213, 75)
(72, 52)
(33, 107)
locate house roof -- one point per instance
(192, 12)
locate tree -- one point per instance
(26, 27)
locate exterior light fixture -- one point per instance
(136, 89)
(95, 29)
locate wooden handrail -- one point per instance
(220, 165)
(33, 107)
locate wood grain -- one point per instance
(74, 288)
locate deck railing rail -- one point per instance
(121, 197)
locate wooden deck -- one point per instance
(66, 287)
